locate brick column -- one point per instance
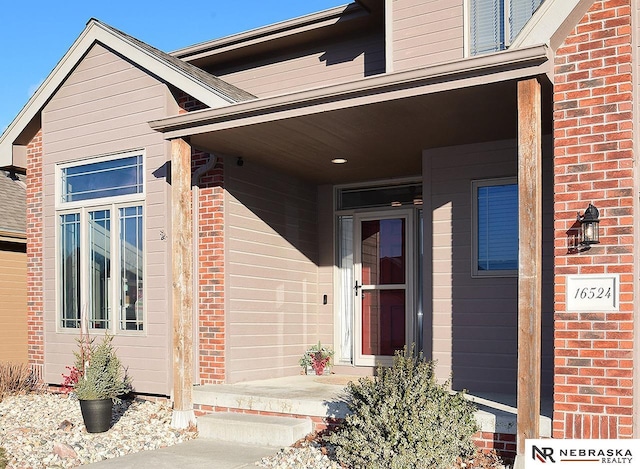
(210, 262)
(211, 321)
(593, 122)
(35, 286)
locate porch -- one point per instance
(281, 285)
(322, 400)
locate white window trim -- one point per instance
(60, 205)
(348, 357)
(83, 207)
(475, 273)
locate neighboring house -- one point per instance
(13, 268)
(369, 176)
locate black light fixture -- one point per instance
(590, 226)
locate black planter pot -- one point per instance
(97, 414)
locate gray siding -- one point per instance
(103, 107)
(309, 67)
(427, 33)
(474, 320)
(271, 252)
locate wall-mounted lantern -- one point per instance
(589, 226)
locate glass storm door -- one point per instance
(383, 262)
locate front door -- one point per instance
(382, 289)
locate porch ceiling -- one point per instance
(380, 140)
(380, 125)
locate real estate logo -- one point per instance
(597, 453)
(543, 454)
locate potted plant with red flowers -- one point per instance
(316, 359)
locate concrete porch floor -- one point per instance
(324, 396)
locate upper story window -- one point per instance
(104, 178)
(494, 24)
(100, 243)
(495, 227)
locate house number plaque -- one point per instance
(593, 292)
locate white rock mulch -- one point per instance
(46, 430)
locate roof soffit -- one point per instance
(197, 83)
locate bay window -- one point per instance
(100, 269)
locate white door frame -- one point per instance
(410, 252)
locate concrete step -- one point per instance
(253, 429)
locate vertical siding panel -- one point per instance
(104, 107)
(272, 275)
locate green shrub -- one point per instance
(17, 378)
(102, 374)
(403, 418)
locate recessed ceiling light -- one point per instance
(339, 161)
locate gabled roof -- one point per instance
(218, 86)
(13, 206)
(199, 84)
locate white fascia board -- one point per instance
(95, 32)
(544, 23)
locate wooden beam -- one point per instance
(530, 259)
(182, 286)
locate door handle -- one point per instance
(357, 287)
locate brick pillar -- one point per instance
(210, 262)
(593, 122)
(35, 287)
(211, 322)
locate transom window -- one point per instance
(495, 227)
(100, 243)
(108, 178)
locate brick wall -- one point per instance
(35, 301)
(593, 121)
(504, 444)
(211, 323)
(210, 262)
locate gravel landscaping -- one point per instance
(46, 431)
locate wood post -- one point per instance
(530, 259)
(182, 286)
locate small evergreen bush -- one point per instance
(403, 418)
(100, 373)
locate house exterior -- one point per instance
(13, 268)
(370, 176)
